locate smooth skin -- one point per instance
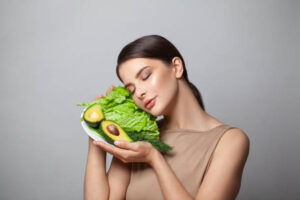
(181, 110)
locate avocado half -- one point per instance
(93, 115)
(112, 132)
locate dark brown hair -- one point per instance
(156, 47)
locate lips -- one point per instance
(148, 101)
(151, 103)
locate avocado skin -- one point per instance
(93, 125)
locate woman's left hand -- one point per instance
(130, 151)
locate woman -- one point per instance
(208, 156)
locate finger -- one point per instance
(126, 145)
(110, 89)
(109, 148)
(98, 97)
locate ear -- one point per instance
(177, 66)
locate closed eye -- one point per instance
(144, 78)
(148, 74)
(132, 91)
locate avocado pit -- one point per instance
(112, 129)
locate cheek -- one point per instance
(160, 83)
(165, 87)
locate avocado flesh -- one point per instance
(112, 132)
(93, 115)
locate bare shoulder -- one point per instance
(234, 141)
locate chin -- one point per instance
(155, 114)
(156, 111)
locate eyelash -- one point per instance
(148, 74)
(143, 79)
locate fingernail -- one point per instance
(117, 142)
(95, 142)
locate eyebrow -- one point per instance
(137, 74)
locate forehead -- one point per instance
(129, 68)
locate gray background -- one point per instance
(242, 55)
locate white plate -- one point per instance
(92, 132)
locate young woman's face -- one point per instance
(147, 79)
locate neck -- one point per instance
(186, 113)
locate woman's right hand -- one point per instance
(108, 91)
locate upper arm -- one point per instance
(118, 178)
(223, 177)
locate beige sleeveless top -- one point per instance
(189, 159)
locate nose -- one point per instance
(140, 93)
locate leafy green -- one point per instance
(118, 106)
(155, 142)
